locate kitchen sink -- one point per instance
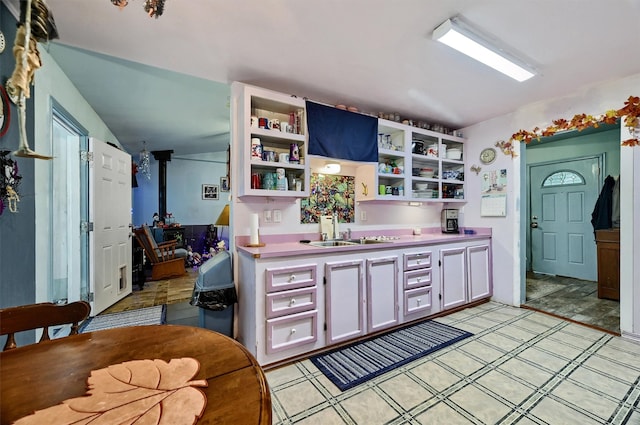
(333, 243)
(345, 242)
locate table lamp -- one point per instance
(223, 219)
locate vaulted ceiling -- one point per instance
(166, 80)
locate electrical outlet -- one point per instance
(277, 216)
(267, 216)
(363, 215)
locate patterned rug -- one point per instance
(354, 364)
(155, 315)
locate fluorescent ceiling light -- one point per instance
(459, 36)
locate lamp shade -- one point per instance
(223, 218)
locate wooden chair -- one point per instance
(164, 258)
(43, 315)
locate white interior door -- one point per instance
(563, 195)
(110, 213)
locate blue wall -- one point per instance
(185, 176)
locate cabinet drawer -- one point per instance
(284, 278)
(417, 300)
(417, 278)
(290, 302)
(417, 260)
(292, 331)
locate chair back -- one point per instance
(43, 315)
(144, 237)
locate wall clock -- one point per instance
(488, 155)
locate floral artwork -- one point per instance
(329, 193)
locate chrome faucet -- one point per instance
(334, 223)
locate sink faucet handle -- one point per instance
(323, 236)
(348, 232)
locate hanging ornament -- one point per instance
(144, 167)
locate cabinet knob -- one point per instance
(419, 279)
(292, 278)
(293, 330)
(419, 261)
(418, 301)
(292, 302)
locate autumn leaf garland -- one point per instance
(630, 111)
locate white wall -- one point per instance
(595, 100)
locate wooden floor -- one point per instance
(167, 291)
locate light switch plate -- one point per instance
(267, 216)
(277, 216)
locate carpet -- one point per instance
(356, 363)
(155, 315)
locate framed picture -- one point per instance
(210, 192)
(224, 184)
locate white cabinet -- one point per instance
(413, 164)
(480, 278)
(257, 174)
(453, 277)
(345, 301)
(357, 306)
(417, 281)
(382, 293)
(465, 274)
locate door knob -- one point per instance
(534, 225)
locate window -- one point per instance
(563, 178)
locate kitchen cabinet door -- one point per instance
(382, 293)
(453, 270)
(345, 300)
(479, 262)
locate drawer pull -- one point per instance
(418, 301)
(293, 330)
(292, 302)
(419, 261)
(292, 278)
(419, 279)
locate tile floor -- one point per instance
(521, 366)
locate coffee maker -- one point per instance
(449, 220)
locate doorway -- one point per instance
(567, 178)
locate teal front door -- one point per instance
(563, 195)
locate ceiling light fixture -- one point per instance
(330, 168)
(458, 35)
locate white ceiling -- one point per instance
(377, 55)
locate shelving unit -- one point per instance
(254, 101)
(411, 172)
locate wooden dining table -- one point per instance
(38, 376)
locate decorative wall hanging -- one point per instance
(27, 57)
(329, 194)
(5, 112)
(630, 112)
(210, 192)
(154, 8)
(144, 166)
(9, 182)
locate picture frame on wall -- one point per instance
(224, 184)
(210, 192)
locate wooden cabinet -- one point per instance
(257, 174)
(608, 244)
